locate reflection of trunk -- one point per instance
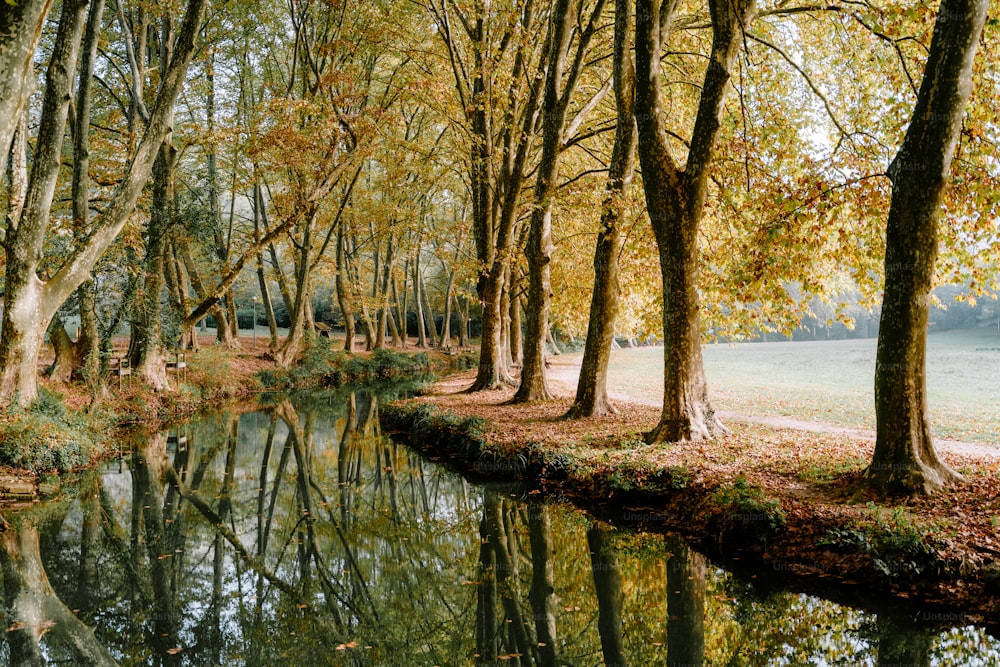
(543, 594)
(685, 605)
(344, 451)
(900, 642)
(487, 627)
(506, 576)
(148, 463)
(34, 607)
(90, 531)
(591, 390)
(608, 583)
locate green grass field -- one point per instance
(832, 381)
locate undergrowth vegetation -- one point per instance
(46, 437)
(897, 543)
(322, 365)
(744, 513)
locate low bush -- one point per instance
(898, 546)
(743, 513)
(43, 438)
(321, 365)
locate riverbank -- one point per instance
(786, 501)
(66, 431)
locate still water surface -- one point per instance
(298, 535)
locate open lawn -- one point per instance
(832, 381)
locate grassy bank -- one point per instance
(785, 500)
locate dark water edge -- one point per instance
(299, 534)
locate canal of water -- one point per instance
(297, 534)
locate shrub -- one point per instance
(897, 545)
(743, 513)
(41, 443)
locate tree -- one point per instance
(30, 302)
(905, 460)
(592, 387)
(497, 56)
(562, 73)
(675, 198)
(20, 29)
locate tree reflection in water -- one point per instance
(299, 534)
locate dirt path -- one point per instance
(564, 371)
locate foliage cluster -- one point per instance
(641, 474)
(897, 545)
(46, 438)
(321, 365)
(743, 514)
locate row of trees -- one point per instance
(373, 148)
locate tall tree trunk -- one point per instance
(515, 323)
(418, 302)
(560, 83)
(295, 342)
(89, 341)
(26, 315)
(463, 330)
(21, 26)
(904, 460)
(675, 199)
(147, 346)
(444, 342)
(429, 319)
(17, 173)
(592, 388)
(259, 207)
(345, 296)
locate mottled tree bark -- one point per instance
(562, 75)
(30, 302)
(904, 460)
(146, 347)
(25, 316)
(675, 199)
(592, 387)
(20, 29)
